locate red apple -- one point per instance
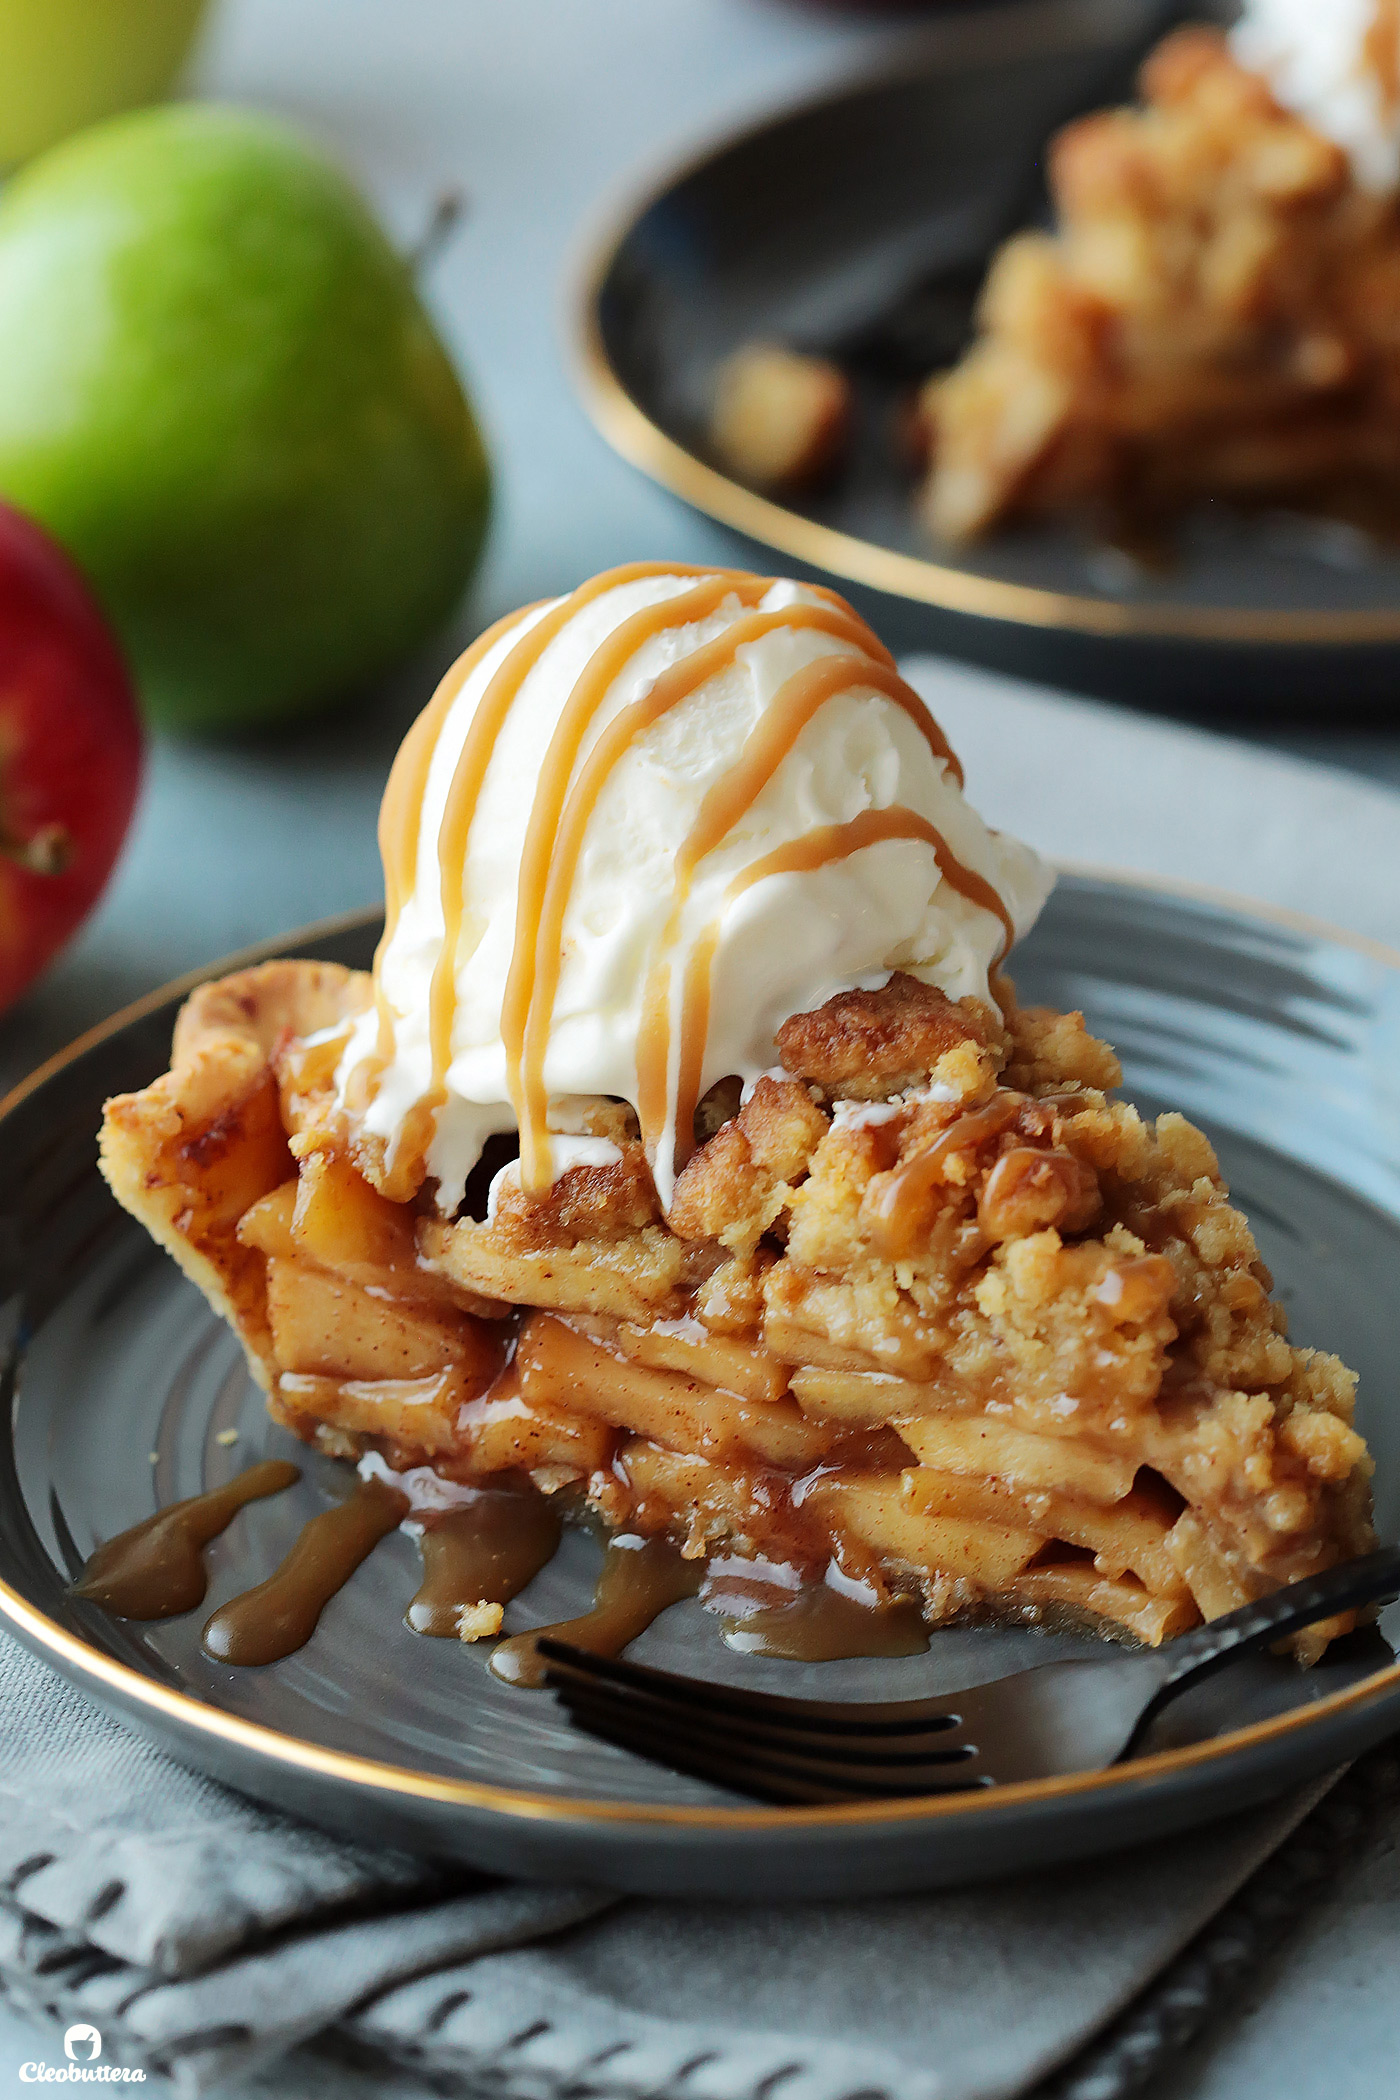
(70, 752)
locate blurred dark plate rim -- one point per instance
(629, 429)
(113, 1681)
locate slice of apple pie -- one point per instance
(1217, 311)
(688, 1150)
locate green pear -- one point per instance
(219, 390)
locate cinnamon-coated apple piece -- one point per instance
(780, 419)
(329, 1327)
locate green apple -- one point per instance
(219, 390)
(65, 63)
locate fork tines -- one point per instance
(791, 1751)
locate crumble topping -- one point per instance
(866, 1046)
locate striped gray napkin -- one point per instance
(206, 1938)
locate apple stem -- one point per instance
(47, 851)
(448, 211)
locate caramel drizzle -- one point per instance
(769, 744)
(694, 1039)
(541, 895)
(561, 815)
(803, 856)
(464, 794)
(1380, 53)
(401, 811)
(898, 1210)
(400, 819)
(773, 738)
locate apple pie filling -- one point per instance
(930, 1316)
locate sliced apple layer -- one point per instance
(985, 1339)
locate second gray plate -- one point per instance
(870, 215)
(1282, 1040)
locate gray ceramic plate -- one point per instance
(875, 209)
(1283, 1039)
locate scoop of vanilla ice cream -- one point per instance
(1322, 60)
(782, 945)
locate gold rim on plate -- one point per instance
(632, 433)
(75, 1657)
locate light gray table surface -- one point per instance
(540, 110)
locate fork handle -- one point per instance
(1346, 1587)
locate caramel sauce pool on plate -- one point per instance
(484, 1552)
(279, 1615)
(156, 1569)
(640, 1578)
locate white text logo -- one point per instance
(81, 2041)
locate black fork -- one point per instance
(1058, 1717)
